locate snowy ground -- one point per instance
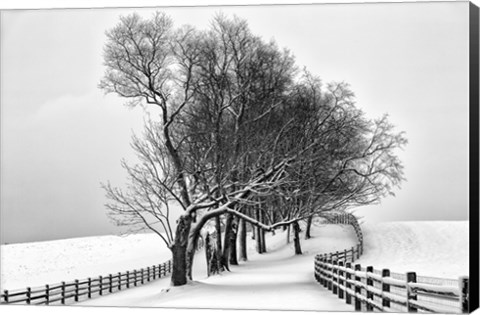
(39, 263)
(276, 280)
(430, 248)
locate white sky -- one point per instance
(61, 137)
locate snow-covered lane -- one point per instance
(277, 280)
(285, 284)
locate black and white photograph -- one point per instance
(260, 156)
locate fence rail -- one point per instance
(74, 291)
(381, 290)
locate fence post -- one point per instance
(335, 277)
(316, 268)
(348, 276)
(5, 295)
(369, 293)
(325, 272)
(323, 276)
(361, 244)
(110, 283)
(89, 294)
(411, 278)
(47, 294)
(340, 281)
(154, 272)
(119, 281)
(135, 277)
(464, 287)
(63, 293)
(141, 275)
(320, 270)
(358, 289)
(76, 290)
(330, 274)
(385, 288)
(100, 279)
(29, 295)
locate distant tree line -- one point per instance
(244, 139)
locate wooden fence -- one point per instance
(370, 289)
(356, 251)
(74, 291)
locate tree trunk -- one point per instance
(258, 240)
(252, 213)
(208, 253)
(191, 248)
(233, 242)
(258, 232)
(262, 234)
(179, 252)
(262, 241)
(288, 234)
(309, 225)
(226, 241)
(218, 229)
(243, 240)
(211, 255)
(218, 251)
(296, 239)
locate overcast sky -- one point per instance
(61, 137)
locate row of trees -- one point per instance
(242, 136)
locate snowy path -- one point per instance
(277, 280)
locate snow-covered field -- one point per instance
(39, 263)
(430, 248)
(275, 280)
